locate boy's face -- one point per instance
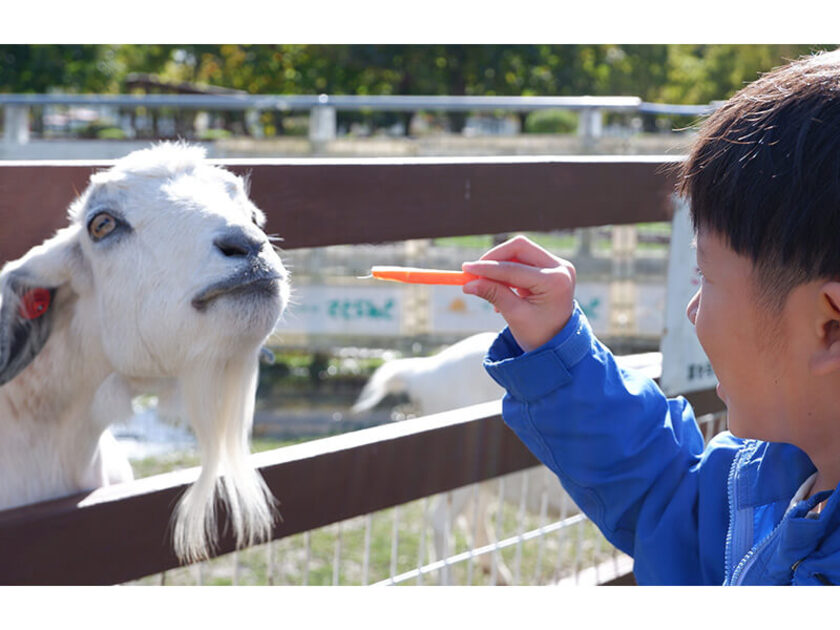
(750, 351)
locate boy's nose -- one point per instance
(691, 309)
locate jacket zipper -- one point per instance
(746, 562)
(739, 572)
(731, 537)
(729, 532)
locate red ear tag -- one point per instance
(34, 303)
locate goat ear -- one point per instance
(28, 287)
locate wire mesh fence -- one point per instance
(517, 529)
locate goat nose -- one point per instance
(238, 243)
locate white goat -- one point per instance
(163, 283)
(450, 379)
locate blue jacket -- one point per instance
(636, 463)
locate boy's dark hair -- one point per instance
(764, 174)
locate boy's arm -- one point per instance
(633, 460)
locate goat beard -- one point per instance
(218, 398)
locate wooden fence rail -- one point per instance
(120, 533)
(314, 202)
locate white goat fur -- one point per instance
(123, 323)
(452, 378)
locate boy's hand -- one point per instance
(532, 289)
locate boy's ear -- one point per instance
(28, 288)
(827, 357)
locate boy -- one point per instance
(757, 505)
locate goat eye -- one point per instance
(101, 226)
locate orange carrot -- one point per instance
(415, 275)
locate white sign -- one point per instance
(650, 309)
(594, 300)
(341, 310)
(383, 309)
(685, 367)
(455, 312)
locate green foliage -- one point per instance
(551, 121)
(101, 132)
(295, 125)
(676, 73)
(42, 67)
(214, 134)
(703, 73)
(110, 133)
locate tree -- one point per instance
(690, 74)
(38, 68)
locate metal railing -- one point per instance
(121, 533)
(322, 108)
(305, 102)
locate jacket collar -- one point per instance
(769, 472)
(804, 549)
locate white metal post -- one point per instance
(16, 124)
(253, 123)
(322, 126)
(590, 126)
(623, 288)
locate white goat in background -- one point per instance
(450, 379)
(163, 283)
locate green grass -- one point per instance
(157, 465)
(551, 242)
(563, 244)
(476, 242)
(291, 567)
(149, 466)
(540, 562)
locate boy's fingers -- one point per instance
(510, 273)
(522, 249)
(497, 294)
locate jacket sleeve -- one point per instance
(631, 459)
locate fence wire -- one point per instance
(519, 529)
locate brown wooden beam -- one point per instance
(122, 532)
(328, 202)
(119, 533)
